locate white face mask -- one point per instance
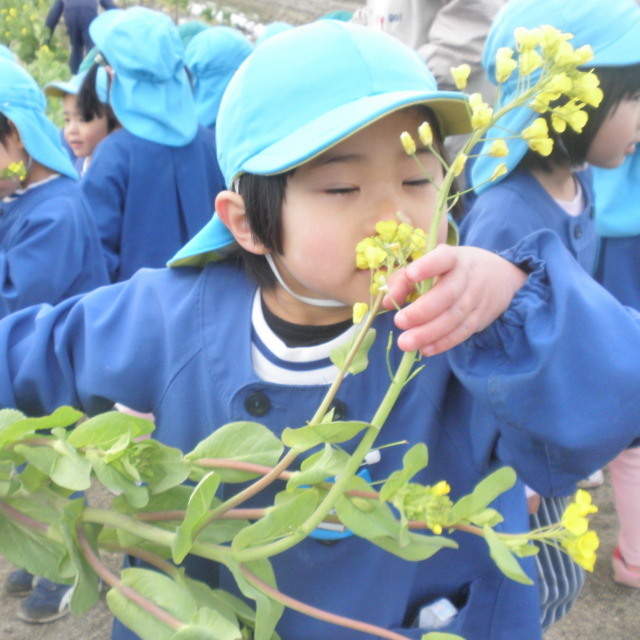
(314, 302)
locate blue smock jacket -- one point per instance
(149, 199)
(519, 205)
(49, 246)
(178, 343)
(619, 269)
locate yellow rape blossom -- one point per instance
(559, 84)
(569, 114)
(408, 143)
(537, 137)
(387, 230)
(461, 75)
(505, 64)
(500, 170)
(529, 62)
(458, 164)
(13, 12)
(441, 488)
(583, 500)
(359, 312)
(475, 100)
(551, 39)
(374, 256)
(583, 549)
(361, 260)
(573, 520)
(499, 149)
(481, 116)
(378, 283)
(527, 40)
(425, 134)
(586, 89)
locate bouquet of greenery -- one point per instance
(157, 518)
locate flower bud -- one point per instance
(425, 134)
(499, 149)
(359, 312)
(408, 143)
(500, 170)
(461, 75)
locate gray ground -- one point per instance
(605, 611)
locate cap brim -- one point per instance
(212, 243)
(59, 89)
(318, 136)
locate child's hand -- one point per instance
(473, 287)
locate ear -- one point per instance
(231, 210)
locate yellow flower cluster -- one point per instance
(537, 137)
(14, 170)
(394, 246)
(481, 113)
(580, 543)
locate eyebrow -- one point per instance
(347, 157)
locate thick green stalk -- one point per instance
(340, 486)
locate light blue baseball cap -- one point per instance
(22, 101)
(150, 93)
(213, 56)
(271, 30)
(611, 28)
(59, 89)
(305, 91)
(618, 199)
(5, 52)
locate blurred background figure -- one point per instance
(78, 15)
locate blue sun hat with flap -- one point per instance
(271, 30)
(59, 89)
(305, 91)
(213, 56)
(611, 28)
(150, 92)
(22, 102)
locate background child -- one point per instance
(618, 223)
(83, 136)
(49, 249)
(212, 57)
(200, 347)
(151, 185)
(555, 192)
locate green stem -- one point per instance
(351, 468)
(318, 614)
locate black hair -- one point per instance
(571, 148)
(5, 129)
(89, 104)
(263, 198)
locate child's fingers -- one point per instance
(445, 295)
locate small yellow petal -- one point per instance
(425, 134)
(461, 75)
(499, 149)
(500, 170)
(359, 312)
(408, 143)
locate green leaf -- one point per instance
(66, 469)
(504, 559)
(207, 597)
(167, 594)
(418, 547)
(268, 611)
(308, 437)
(374, 523)
(197, 513)
(488, 516)
(32, 478)
(209, 625)
(105, 430)
(221, 531)
(242, 442)
(14, 426)
(240, 608)
(87, 584)
(280, 521)
(361, 360)
(413, 461)
(167, 466)
(30, 550)
(485, 492)
(112, 479)
(317, 468)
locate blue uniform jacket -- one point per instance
(49, 246)
(149, 199)
(535, 390)
(519, 205)
(619, 269)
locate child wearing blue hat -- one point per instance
(152, 184)
(244, 327)
(49, 246)
(555, 192)
(84, 128)
(212, 57)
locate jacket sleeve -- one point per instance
(457, 35)
(108, 4)
(120, 343)
(105, 186)
(559, 369)
(46, 256)
(54, 15)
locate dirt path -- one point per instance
(606, 611)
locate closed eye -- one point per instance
(417, 183)
(341, 191)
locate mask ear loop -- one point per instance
(29, 163)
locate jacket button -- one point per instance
(577, 232)
(339, 410)
(257, 404)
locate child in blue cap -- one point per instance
(212, 57)
(49, 247)
(152, 184)
(243, 330)
(555, 192)
(84, 131)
